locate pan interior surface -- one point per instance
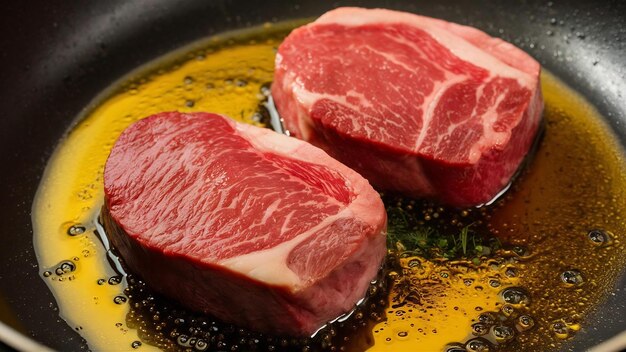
(579, 43)
(524, 285)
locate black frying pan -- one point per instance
(57, 56)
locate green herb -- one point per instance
(463, 236)
(406, 234)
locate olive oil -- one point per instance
(561, 228)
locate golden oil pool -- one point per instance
(561, 228)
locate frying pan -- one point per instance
(55, 57)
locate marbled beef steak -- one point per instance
(414, 104)
(254, 227)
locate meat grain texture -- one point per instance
(256, 228)
(416, 105)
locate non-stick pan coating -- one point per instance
(55, 57)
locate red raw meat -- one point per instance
(256, 228)
(416, 105)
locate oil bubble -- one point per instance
(414, 263)
(524, 322)
(478, 345)
(201, 345)
(101, 281)
(511, 272)
(521, 251)
(515, 296)
(507, 310)
(115, 280)
(76, 230)
(479, 329)
(572, 323)
(47, 273)
(572, 278)
(560, 329)
(502, 333)
(403, 335)
(455, 347)
(120, 299)
(135, 344)
(600, 238)
(65, 267)
(487, 318)
(183, 340)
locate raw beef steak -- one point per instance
(256, 228)
(415, 104)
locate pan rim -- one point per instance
(10, 332)
(19, 341)
(614, 344)
(22, 342)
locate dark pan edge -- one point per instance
(584, 85)
(19, 341)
